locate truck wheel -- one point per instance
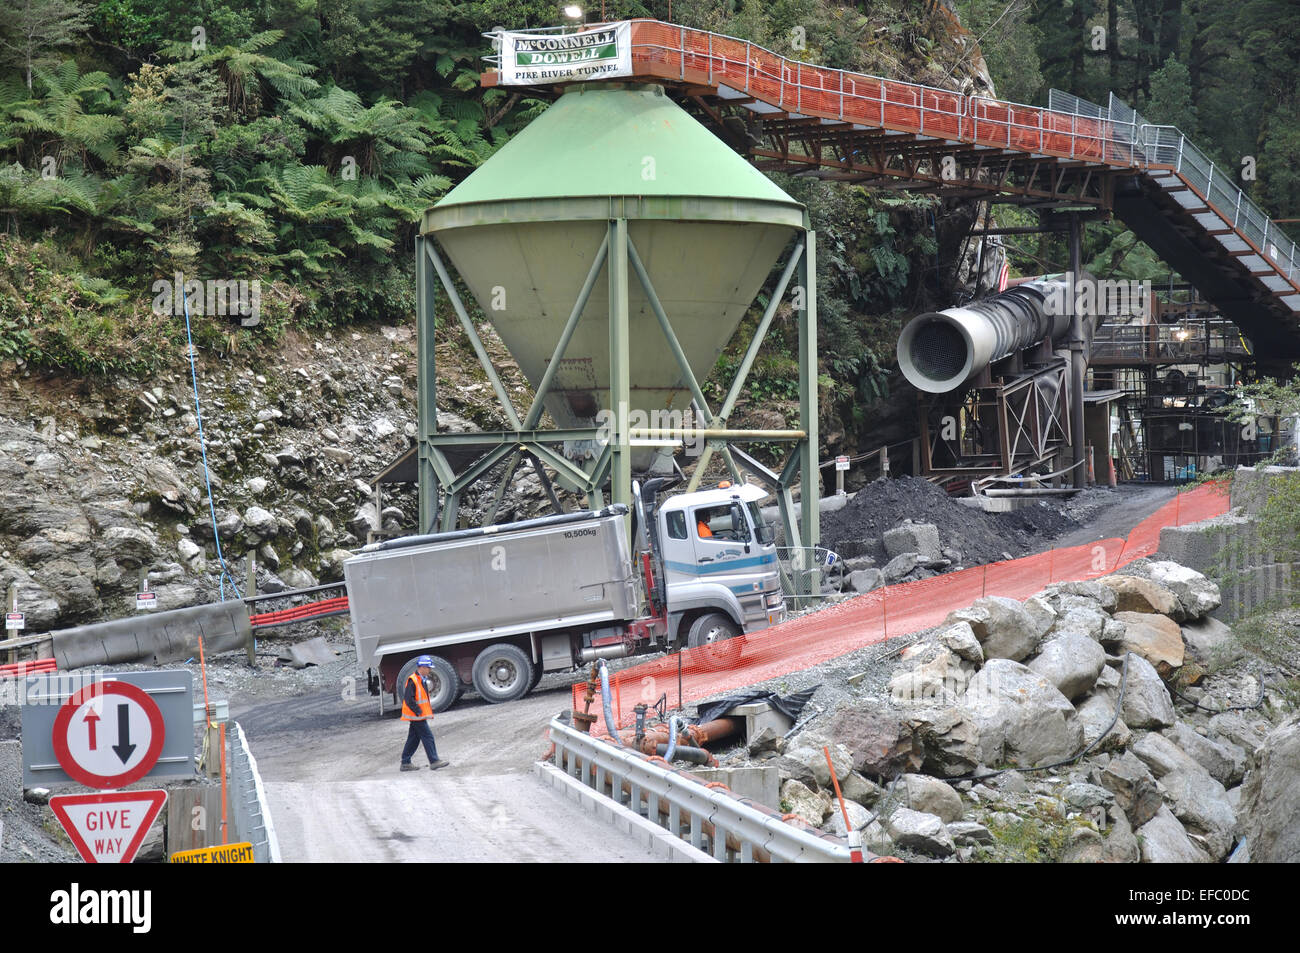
(502, 673)
(444, 683)
(707, 636)
(537, 676)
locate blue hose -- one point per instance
(203, 448)
(605, 701)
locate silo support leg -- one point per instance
(620, 362)
(809, 476)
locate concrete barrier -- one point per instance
(159, 637)
(1228, 548)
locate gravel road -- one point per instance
(331, 773)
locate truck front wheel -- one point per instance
(712, 636)
(444, 684)
(502, 673)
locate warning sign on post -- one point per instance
(108, 735)
(225, 854)
(108, 828)
(15, 621)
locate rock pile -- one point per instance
(1080, 666)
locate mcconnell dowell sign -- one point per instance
(528, 58)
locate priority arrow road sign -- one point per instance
(108, 828)
(108, 734)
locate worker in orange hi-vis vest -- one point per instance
(417, 711)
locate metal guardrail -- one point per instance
(252, 815)
(1069, 127)
(732, 829)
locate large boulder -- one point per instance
(804, 803)
(930, 796)
(261, 523)
(1225, 761)
(1003, 626)
(1095, 715)
(1021, 716)
(960, 640)
(920, 538)
(1164, 841)
(1071, 661)
(1249, 734)
(937, 682)
(814, 758)
(1201, 803)
(1135, 594)
(1161, 755)
(1133, 786)
(879, 741)
(1211, 641)
(923, 833)
(949, 741)
(1270, 799)
(865, 580)
(1196, 594)
(1104, 596)
(859, 817)
(1156, 638)
(1146, 700)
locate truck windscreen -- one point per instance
(762, 530)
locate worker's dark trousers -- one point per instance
(419, 732)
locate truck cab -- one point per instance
(719, 563)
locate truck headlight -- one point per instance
(774, 599)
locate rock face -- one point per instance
(1022, 718)
(1003, 627)
(1270, 800)
(1071, 661)
(1156, 638)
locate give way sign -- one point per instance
(108, 734)
(108, 828)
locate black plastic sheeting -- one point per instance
(790, 705)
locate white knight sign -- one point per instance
(529, 58)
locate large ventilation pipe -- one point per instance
(942, 350)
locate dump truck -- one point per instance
(500, 606)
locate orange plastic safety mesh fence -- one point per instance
(800, 643)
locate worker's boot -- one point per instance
(409, 767)
(438, 764)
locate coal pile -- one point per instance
(975, 536)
